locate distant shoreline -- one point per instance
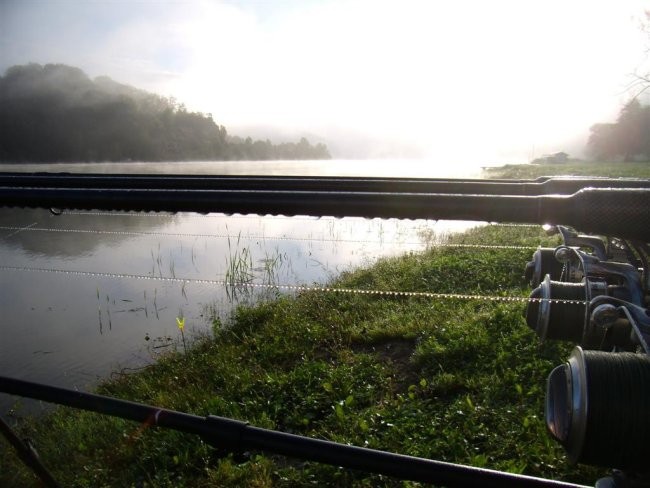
(384, 168)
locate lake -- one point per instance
(90, 294)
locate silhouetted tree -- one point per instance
(627, 139)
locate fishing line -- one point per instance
(193, 215)
(257, 216)
(253, 237)
(498, 224)
(295, 288)
(17, 230)
(128, 214)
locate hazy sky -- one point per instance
(482, 80)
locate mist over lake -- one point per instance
(459, 168)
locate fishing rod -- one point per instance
(621, 212)
(539, 186)
(28, 455)
(237, 436)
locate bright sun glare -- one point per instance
(502, 75)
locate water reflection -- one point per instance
(42, 232)
(87, 293)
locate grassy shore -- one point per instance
(460, 380)
(625, 170)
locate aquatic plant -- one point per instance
(180, 322)
(239, 267)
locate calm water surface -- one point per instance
(86, 294)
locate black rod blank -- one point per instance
(540, 186)
(28, 455)
(235, 435)
(615, 212)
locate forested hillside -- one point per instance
(57, 113)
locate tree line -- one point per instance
(627, 139)
(57, 113)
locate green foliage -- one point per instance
(56, 113)
(456, 380)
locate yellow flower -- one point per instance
(180, 321)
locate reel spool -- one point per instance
(554, 312)
(543, 263)
(597, 406)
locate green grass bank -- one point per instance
(522, 171)
(460, 380)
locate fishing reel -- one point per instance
(568, 278)
(594, 294)
(597, 406)
(560, 266)
(561, 309)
